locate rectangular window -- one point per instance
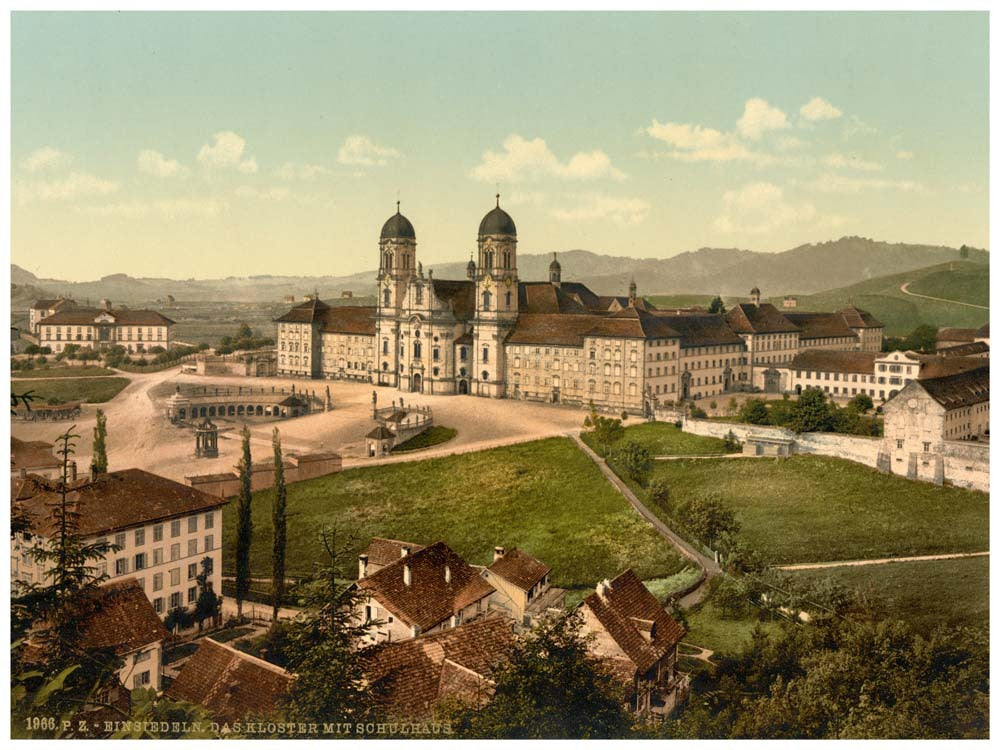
(140, 537)
(192, 524)
(140, 561)
(141, 680)
(158, 532)
(192, 594)
(157, 581)
(175, 600)
(175, 528)
(158, 556)
(899, 444)
(927, 447)
(158, 605)
(192, 571)
(120, 540)
(175, 576)
(121, 566)
(175, 552)
(209, 520)
(209, 542)
(141, 657)
(192, 547)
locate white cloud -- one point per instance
(74, 185)
(906, 155)
(759, 208)
(294, 171)
(523, 159)
(171, 209)
(760, 117)
(269, 194)
(837, 183)
(839, 161)
(596, 207)
(789, 143)
(697, 143)
(819, 108)
(227, 150)
(362, 150)
(46, 157)
(156, 164)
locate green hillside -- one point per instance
(960, 281)
(666, 301)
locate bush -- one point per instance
(659, 493)
(698, 413)
(636, 461)
(754, 411)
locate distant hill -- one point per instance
(805, 269)
(961, 281)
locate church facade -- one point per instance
(493, 335)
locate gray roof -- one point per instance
(497, 221)
(398, 227)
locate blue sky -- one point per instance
(217, 144)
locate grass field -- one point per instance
(90, 390)
(663, 439)
(546, 497)
(816, 509)
(925, 594)
(961, 281)
(434, 435)
(86, 371)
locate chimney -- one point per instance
(498, 552)
(362, 566)
(404, 551)
(447, 574)
(407, 578)
(603, 587)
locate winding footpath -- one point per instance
(708, 566)
(905, 289)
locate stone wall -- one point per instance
(961, 463)
(297, 469)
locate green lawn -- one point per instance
(816, 509)
(90, 390)
(84, 371)
(663, 439)
(546, 497)
(963, 281)
(925, 594)
(434, 435)
(709, 629)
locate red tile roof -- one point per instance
(387, 551)
(824, 360)
(748, 318)
(121, 618)
(350, 319)
(122, 317)
(702, 330)
(230, 684)
(118, 500)
(32, 455)
(858, 318)
(305, 312)
(821, 325)
(520, 568)
(540, 297)
(429, 599)
(625, 603)
(969, 349)
(410, 677)
(460, 296)
(956, 334)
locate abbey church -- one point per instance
(492, 334)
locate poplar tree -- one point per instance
(99, 459)
(279, 525)
(244, 527)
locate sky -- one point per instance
(222, 144)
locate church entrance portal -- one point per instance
(416, 383)
(463, 387)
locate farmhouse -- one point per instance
(101, 327)
(523, 590)
(637, 640)
(230, 684)
(425, 591)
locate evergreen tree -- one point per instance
(99, 459)
(812, 412)
(244, 526)
(754, 411)
(208, 604)
(716, 306)
(279, 524)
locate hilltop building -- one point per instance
(57, 323)
(493, 334)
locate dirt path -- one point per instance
(708, 566)
(905, 289)
(879, 561)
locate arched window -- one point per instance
(416, 350)
(486, 354)
(487, 297)
(385, 366)
(506, 259)
(486, 375)
(387, 261)
(385, 297)
(607, 369)
(488, 259)
(508, 300)
(463, 353)
(385, 346)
